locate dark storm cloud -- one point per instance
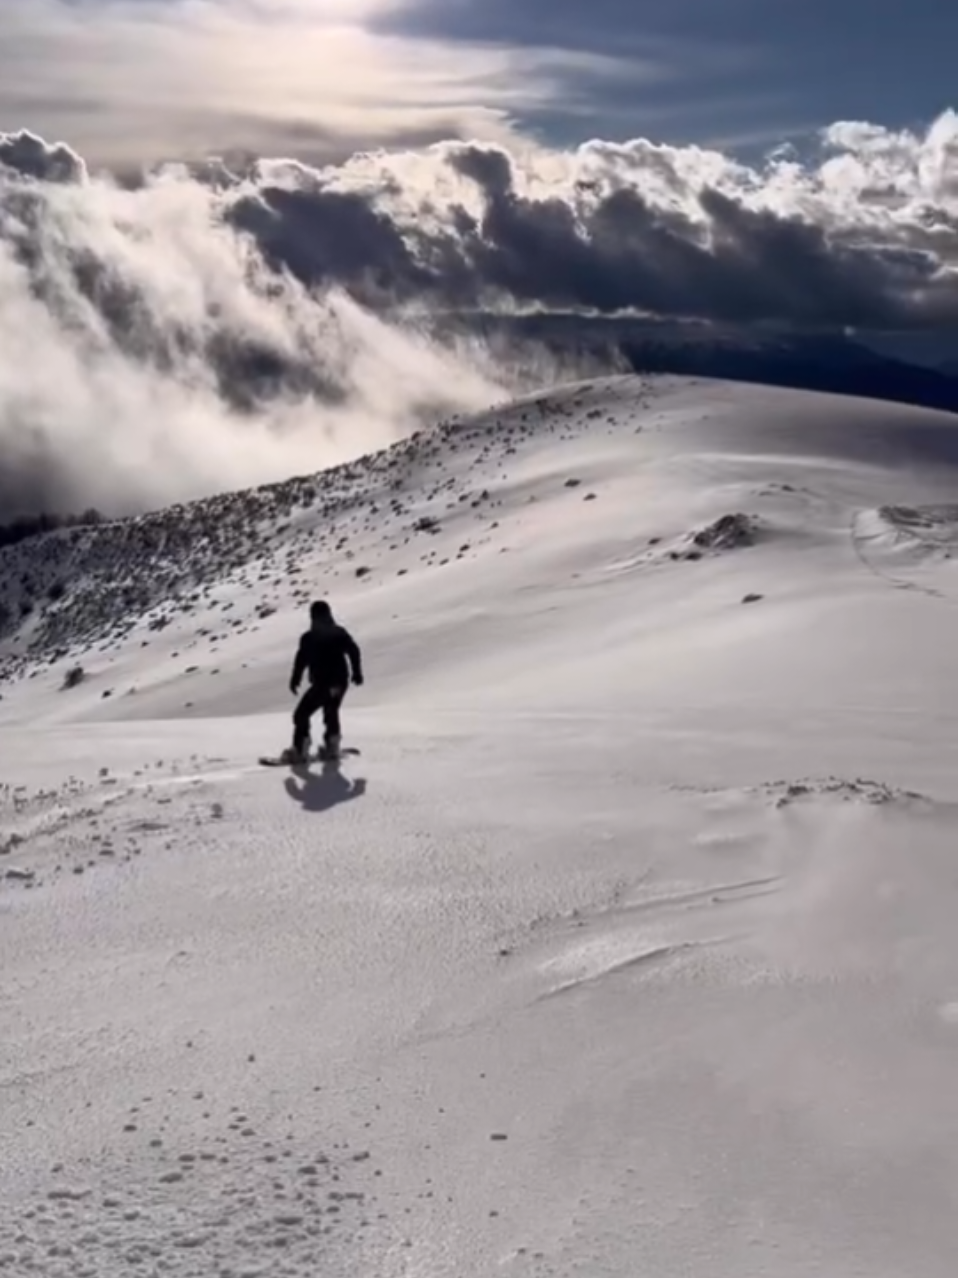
(674, 231)
(30, 156)
(608, 244)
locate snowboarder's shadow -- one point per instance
(319, 791)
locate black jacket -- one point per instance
(331, 655)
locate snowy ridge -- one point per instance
(96, 583)
(626, 946)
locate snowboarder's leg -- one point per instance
(309, 703)
(332, 730)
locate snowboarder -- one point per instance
(331, 656)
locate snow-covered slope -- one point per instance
(625, 946)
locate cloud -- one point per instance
(130, 81)
(202, 326)
(150, 353)
(862, 231)
(30, 156)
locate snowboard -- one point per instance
(314, 756)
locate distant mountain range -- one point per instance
(831, 362)
(930, 348)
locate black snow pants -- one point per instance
(317, 697)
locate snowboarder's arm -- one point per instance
(299, 665)
(355, 659)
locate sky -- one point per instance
(127, 81)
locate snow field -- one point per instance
(626, 944)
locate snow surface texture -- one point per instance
(627, 945)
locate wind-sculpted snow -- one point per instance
(623, 940)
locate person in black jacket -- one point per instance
(331, 657)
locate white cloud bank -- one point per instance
(200, 328)
(149, 353)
